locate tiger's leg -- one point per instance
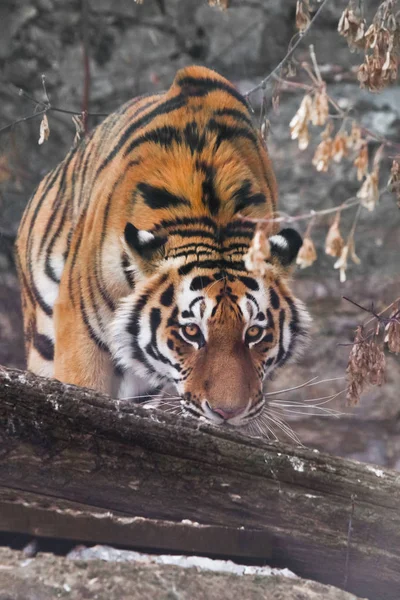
(40, 346)
(78, 358)
(38, 328)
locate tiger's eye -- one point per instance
(254, 332)
(191, 330)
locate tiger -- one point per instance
(131, 256)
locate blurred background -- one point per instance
(97, 54)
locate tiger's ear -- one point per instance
(142, 242)
(285, 246)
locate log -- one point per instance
(79, 465)
(46, 577)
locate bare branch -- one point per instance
(289, 54)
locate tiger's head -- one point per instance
(199, 320)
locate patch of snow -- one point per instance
(235, 497)
(297, 464)
(378, 472)
(109, 554)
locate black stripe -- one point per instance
(156, 197)
(48, 310)
(274, 298)
(162, 109)
(48, 268)
(162, 136)
(125, 263)
(238, 115)
(52, 178)
(192, 137)
(99, 284)
(209, 194)
(251, 297)
(268, 338)
(133, 330)
(44, 345)
(281, 351)
(167, 297)
(243, 197)
(202, 86)
(250, 283)
(92, 334)
(220, 264)
(226, 133)
(200, 282)
(93, 302)
(190, 221)
(58, 200)
(194, 247)
(73, 261)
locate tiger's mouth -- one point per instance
(239, 416)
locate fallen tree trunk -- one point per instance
(47, 577)
(79, 465)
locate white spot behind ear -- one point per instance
(279, 241)
(145, 236)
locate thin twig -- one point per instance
(305, 216)
(28, 118)
(289, 54)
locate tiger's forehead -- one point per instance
(205, 295)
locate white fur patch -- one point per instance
(47, 288)
(145, 236)
(279, 241)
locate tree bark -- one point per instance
(79, 465)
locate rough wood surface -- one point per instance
(46, 577)
(67, 448)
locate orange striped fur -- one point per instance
(131, 254)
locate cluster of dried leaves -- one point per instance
(337, 143)
(367, 363)
(380, 42)
(345, 143)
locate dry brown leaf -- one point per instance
(361, 162)
(334, 242)
(302, 15)
(369, 191)
(392, 330)
(44, 131)
(307, 254)
(323, 155)
(258, 253)
(320, 108)
(339, 146)
(299, 124)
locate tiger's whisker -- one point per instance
(325, 412)
(308, 383)
(275, 418)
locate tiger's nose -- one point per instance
(228, 414)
